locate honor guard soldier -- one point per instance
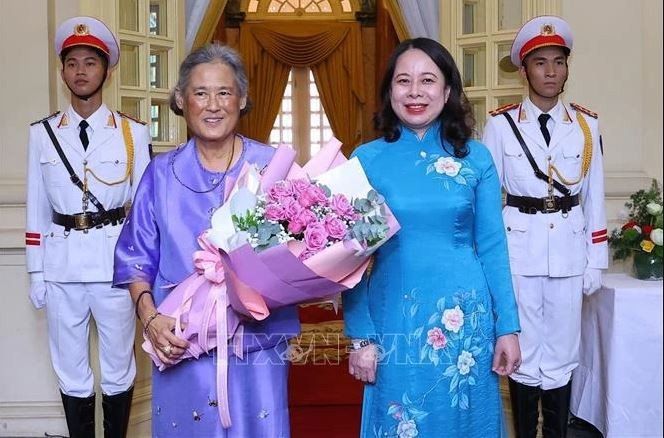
(549, 160)
(83, 167)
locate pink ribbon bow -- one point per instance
(200, 303)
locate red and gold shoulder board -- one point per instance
(127, 116)
(45, 118)
(584, 110)
(504, 108)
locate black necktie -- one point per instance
(83, 135)
(543, 118)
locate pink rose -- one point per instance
(307, 197)
(275, 212)
(319, 194)
(335, 227)
(291, 207)
(341, 206)
(280, 189)
(436, 338)
(299, 186)
(295, 227)
(315, 236)
(306, 217)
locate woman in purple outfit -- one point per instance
(174, 202)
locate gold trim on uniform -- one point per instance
(502, 109)
(49, 117)
(64, 121)
(129, 149)
(132, 118)
(587, 153)
(110, 123)
(584, 110)
(522, 115)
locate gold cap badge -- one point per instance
(81, 29)
(548, 29)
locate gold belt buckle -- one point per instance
(82, 221)
(549, 204)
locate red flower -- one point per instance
(628, 225)
(647, 229)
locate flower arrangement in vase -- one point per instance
(641, 234)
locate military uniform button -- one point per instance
(509, 228)
(117, 161)
(85, 162)
(550, 225)
(548, 157)
(52, 234)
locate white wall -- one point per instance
(651, 37)
(28, 388)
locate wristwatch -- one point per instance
(357, 344)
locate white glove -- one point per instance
(592, 280)
(37, 289)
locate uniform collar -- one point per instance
(100, 119)
(529, 112)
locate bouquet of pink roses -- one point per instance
(298, 234)
(307, 211)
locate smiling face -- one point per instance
(419, 90)
(83, 71)
(546, 71)
(211, 102)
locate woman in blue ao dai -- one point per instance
(438, 310)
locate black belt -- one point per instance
(87, 220)
(529, 205)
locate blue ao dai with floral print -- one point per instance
(439, 294)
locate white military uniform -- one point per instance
(77, 266)
(549, 252)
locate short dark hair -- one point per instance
(207, 54)
(457, 118)
(103, 56)
(566, 51)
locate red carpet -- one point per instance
(324, 400)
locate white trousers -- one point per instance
(68, 310)
(550, 316)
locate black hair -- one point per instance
(566, 51)
(103, 56)
(456, 118)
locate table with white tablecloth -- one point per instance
(618, 384)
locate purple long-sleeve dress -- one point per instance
(173, 205)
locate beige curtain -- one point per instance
(213, 13)
(398, 20)
(334, 53)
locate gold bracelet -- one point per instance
(149, 320)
